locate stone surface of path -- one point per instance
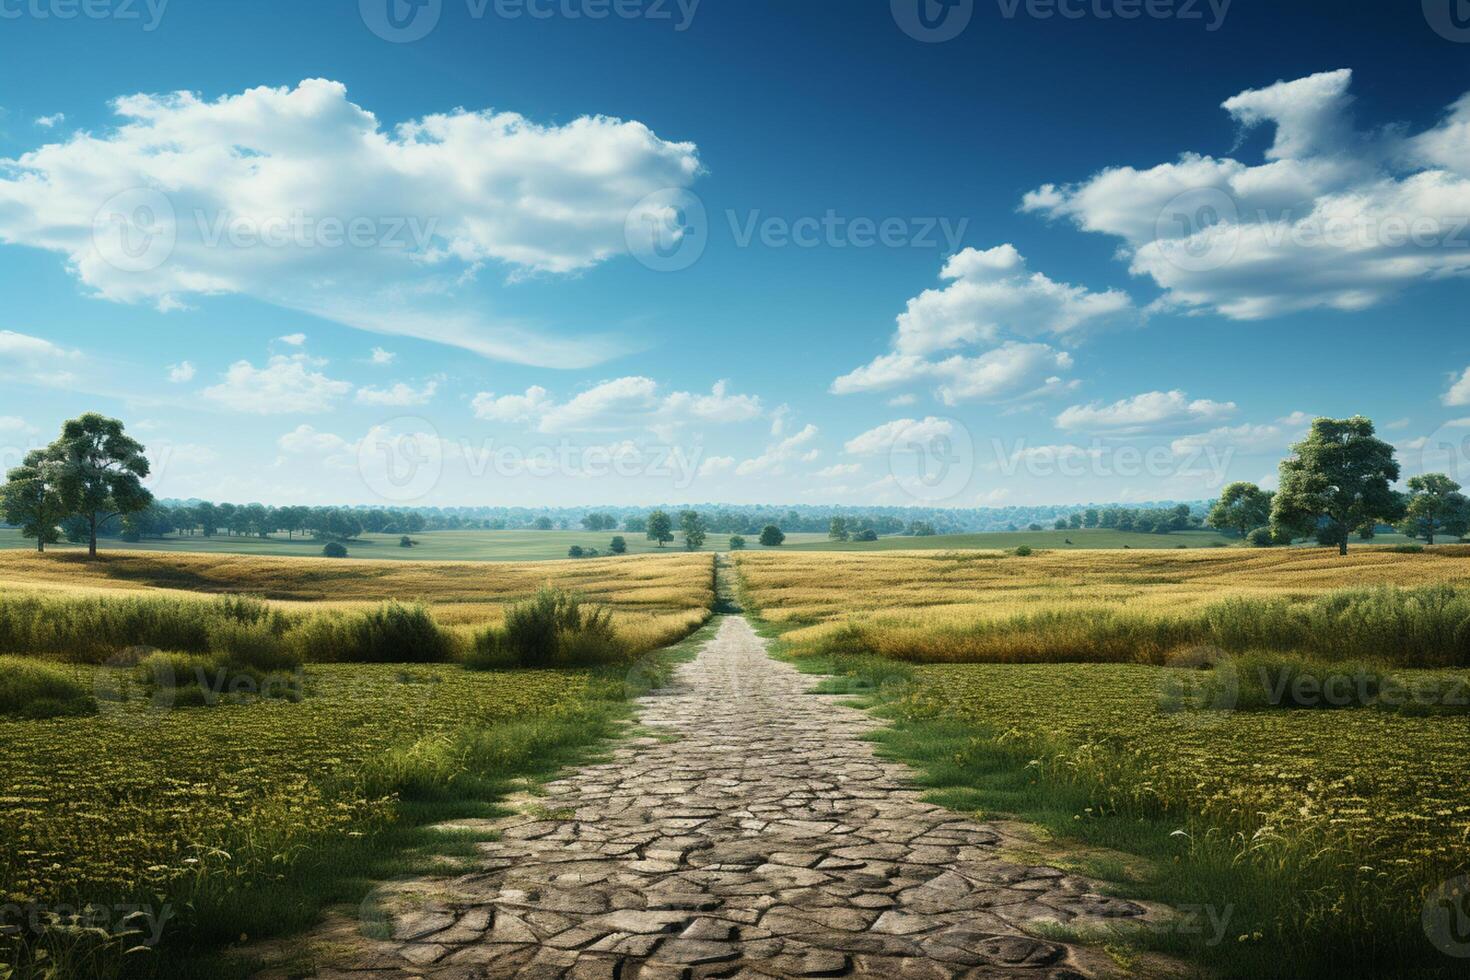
(754, 835)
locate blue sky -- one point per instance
(1056, 258)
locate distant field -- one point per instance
(550, 545)
(432, 546)
(1081, 540)
(922, 594)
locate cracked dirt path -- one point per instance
(756, 835)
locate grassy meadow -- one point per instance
(264, 763)
(1122, 702)
(1081, 540)
(509, 546)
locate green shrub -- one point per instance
(1408, 549)
(552, 629)
(256, 645)
(36, 690)
(394, 632)
(1024, 551)
(1261, 537)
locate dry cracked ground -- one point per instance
(754, 835)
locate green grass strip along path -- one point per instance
(239, 822)
(1370, 812)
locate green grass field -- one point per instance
(999, 540)
(432, 546)
(547, 545)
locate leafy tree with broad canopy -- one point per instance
(1434, 506)
(660, 528)
(1337, 479)
(100, 473)
(694, 528)
(31, 498)
(771, 536)
(1242, 508)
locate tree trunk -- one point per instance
(92, 538)
(1342, 547)
(41, 543)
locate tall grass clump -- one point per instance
(554, 628)
(239, 630)
(90, 629)
(394, 632)
(1420, 627)
(37, 690)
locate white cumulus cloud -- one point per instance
(619, 403)
(1151, 411)
(1334, 217)
(302, 198)
(991, 295)
(283, 386)
(399, 394)
(881, 438)
(1459, 391)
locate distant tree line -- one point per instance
(1162, 520)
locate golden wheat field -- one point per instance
(655, 599)
(928, 606)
